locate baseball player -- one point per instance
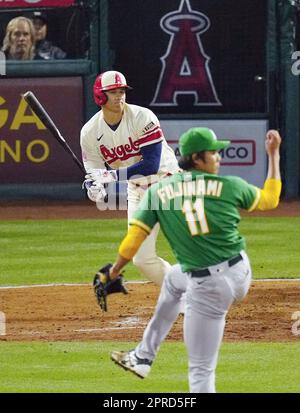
(198, 213)
(128, 140)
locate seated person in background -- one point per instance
(19, 40)
(44, 48)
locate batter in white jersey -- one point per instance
(129, 140)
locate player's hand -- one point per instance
(102, 176)
(95, 192)
(114, 271)
(273, 141)
(104, 285)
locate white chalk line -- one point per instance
(128, 323)
(276, 279)
(7, 287)
(132, 322)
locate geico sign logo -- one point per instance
(239, 152)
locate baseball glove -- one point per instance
(103, 285)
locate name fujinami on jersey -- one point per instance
(199, 187)
(180, 190)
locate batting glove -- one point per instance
(102, 176)
(95, 192)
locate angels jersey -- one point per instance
(120, 148)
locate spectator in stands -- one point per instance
(44, 48)
(19, 40)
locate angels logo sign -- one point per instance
(185, 68)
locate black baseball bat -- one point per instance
(41, 112)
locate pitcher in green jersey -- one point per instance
(198, 211)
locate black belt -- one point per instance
(205, 272)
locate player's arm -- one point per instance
(91, 159)
(150, 137)
(268, 197)
(90, 156)
(149, 165)
(129, 247)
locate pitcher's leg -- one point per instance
(208, 300)
(203, 337)
(166, 312)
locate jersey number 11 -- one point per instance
(195, 216)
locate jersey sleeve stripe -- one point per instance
(156, 136)
(150, 143)
(141, 225)
(256, 201)
(151, 131)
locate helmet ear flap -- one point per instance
(100, 97)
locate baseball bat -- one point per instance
(40, 111)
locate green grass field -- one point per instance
(82, 367)
(39, 252)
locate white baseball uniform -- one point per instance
(120, 148)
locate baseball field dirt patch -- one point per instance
(55, 313)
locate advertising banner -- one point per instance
(36, 3)
(28, 152)
(246, 155)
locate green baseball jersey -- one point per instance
(199, 215)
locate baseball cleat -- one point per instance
(129, 361)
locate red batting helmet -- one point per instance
(108, 81)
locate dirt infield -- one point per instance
(71, 313)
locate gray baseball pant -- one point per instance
(208, 300)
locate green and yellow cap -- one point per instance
(199, 140)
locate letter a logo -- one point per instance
(118, 80)
(185, 68)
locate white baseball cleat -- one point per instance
(129, 361)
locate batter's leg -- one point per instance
(146, 260)
(166, 312)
